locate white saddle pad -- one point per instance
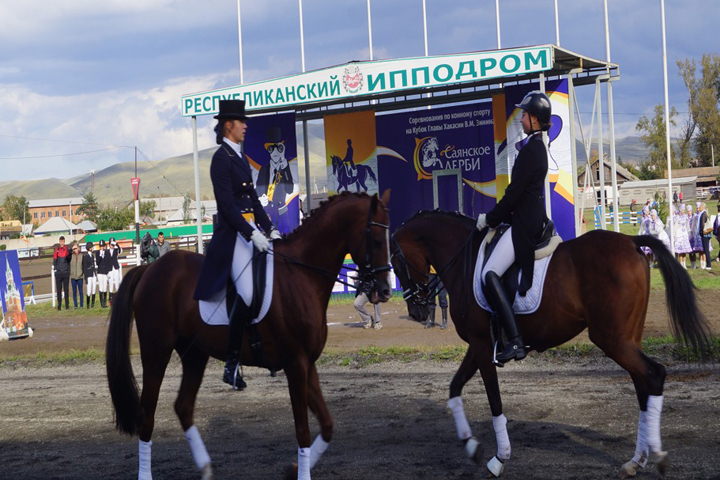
(214, 311)
(522, 305)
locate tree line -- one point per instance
(700, 131)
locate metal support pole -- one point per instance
(548, 200)
(240, 42)
(198, 208)
(601, 159)
(573, 153)
(611, 127)
(667, 130)
(306, 150)
(497, 22)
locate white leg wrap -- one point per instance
(455, 404)
(197, 447)
(317, 449)
(303, 464)
(144, 455)
(495, 466)
(641, 448)
(652, 419)
(501, 436)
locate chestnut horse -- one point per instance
(307, 263)
(599, 281)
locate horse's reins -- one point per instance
(423, 294)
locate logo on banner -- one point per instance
(425, 156)
(353, 80)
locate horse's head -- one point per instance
(372, 251)
(412, 271)
(336, 161)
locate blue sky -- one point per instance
(110, 74)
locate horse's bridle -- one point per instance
(423, 293)
(367, 274)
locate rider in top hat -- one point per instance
(275, 179)
(239, 215)
(90, 272)
(523, 207)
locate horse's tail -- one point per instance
(687, 321)
(372, 174)
(121, 379)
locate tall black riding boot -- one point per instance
(87, 301)
(103, 299)
(93, 300)
(515, 348)
(111, 298)
(231, 373)
(431, 318)
(444, 318)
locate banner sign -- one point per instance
(135, 184)
(271, 150)
(357, 79)
(350, 150)
(559, 154)
(414, 147)
(14, 319)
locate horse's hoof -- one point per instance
(291, 472)
(495, 467)
(660, 459)
(474, 449)
(207, 473)
(629, 470)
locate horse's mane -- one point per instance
(311, 220)
(457, 216)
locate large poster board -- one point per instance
(271, 150)
(351, 154)
(415, 146)
(14, 320)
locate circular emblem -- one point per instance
(353, 80)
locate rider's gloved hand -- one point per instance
(275, 234)
(481, 222)
(259, 240)
(264, 200)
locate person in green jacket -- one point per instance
(148, 250)
(76, 274)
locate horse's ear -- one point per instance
(385, 199)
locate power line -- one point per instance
(64, 141)
(60, 155)
(160, 172)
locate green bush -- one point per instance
(3, 247)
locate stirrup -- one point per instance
(234, 378)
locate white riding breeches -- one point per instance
(113, 280)
(102, 280)
(502, 257)
(91, 285)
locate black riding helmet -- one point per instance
(88, 245)
(101, 243)
(538, 104)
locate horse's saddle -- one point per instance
(252, 286)
(511, 279)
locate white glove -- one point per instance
(259, 240)
(481, 222)
(263, 200)
(275, 234)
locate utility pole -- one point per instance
(137, 213)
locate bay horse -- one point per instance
(599, 281)
(307, 262)
(344, 180)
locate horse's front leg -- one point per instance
(297, 376)
(318, 407)
(467, 370)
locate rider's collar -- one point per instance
(519, 145)
(233, 145)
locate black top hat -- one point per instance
(231, 110)
(274, 135)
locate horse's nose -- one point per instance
(386, 293)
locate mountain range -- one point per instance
(174, 176)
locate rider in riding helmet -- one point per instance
(523, 208)
(239, 215)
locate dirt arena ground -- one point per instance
(568, 419)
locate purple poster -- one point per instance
(271, 149)
(454, 145)
(13, 323)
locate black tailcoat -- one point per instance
(235, 195)
(523, 206)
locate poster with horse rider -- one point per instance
(415, 146)
(271, 151)
(350, 149)
(14, 319)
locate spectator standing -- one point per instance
(705, 231)
(90, 273)
(61, 267)
(441, 299)
(681, 235)
(102, 260)
(149, 251)
(76, 275)
(114, 252)
(361, 299)
(162, 246)
(695, 237)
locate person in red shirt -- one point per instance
(61, 267)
